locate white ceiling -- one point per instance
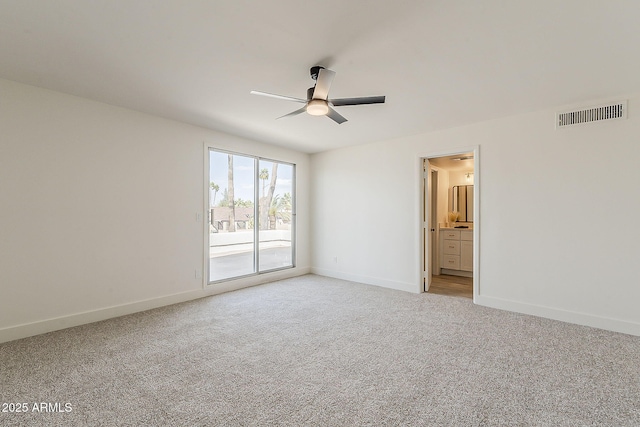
(440, 63)
(453, 163)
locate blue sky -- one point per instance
(243, 170)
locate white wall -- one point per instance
(459, 178)
(443, 196)
(551, 239)
(98, 208)
(363, 213)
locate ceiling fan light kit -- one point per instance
(317, 107)
(318, 102)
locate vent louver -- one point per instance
(610, 111)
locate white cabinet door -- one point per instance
(466, 255)
(466, 235)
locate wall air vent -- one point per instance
(609, 111)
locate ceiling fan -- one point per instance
(318, 102)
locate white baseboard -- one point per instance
(584, 319)
(40, 327)
(400, 286)
(615, 325)
(49, 325)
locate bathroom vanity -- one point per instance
(456, 251)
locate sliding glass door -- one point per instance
(231, 214)
(251, 215)
(276, 215)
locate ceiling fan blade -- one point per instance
(335, 116)
(271, 95)
(294, 113)
(323, 83)
(357, 101)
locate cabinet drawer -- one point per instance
(451, 234)
(451, 247)
(466, 235)
(451, 262)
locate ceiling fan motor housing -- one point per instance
(315, 70)
(310, 93)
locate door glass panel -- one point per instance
(276, 215)
(231, 215)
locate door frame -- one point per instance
(435, 256)
(429, 186)
(423, 205)
(206, 273)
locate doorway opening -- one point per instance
(450, 224)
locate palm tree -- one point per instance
(264, 176)
(273, 211)
(266, 201)
(232, 213)
(215, 188)
(280, 207)
(286, 206)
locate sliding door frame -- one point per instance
(256, 211)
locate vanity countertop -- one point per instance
(470, 228)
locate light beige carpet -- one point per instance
(323, 352)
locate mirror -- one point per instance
(462, 196)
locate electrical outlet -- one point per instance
(198, 217)
(198, 274)
(335, 259)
